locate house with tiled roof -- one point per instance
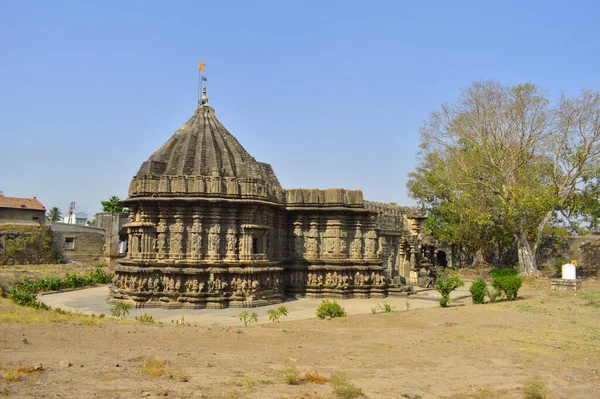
(21, 210)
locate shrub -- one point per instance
(508, 271)
(492, 293)
(478, 289)
(248, 318)
(343, 388)
(145, 318)
(330, 309)
(535, 390)
(509, 285)
(447, 283)
(276, 314)
(291, 375)
(120, 310)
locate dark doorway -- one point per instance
(441, 259)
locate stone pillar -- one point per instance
(414, 272)
(312, 241)
(176, 248)
(162, 232)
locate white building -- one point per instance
(77, 218)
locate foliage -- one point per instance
(478, 289)
(24, 294)
(54, 214)
(535, 390)
(384, 307)
(120, 310)
(330, 309)
(145, 318)
(22, 245)
(112, 205)
(343, 388)
(276, 314)
(503, 272)
(501, 163)
(509, 285)
(291, 375)
(492, 293)
(248, 318)
(314, 378)
(446, 283)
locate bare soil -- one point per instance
(480, 351)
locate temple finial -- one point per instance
(204, 99)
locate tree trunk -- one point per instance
(479, 259)
(527, 262)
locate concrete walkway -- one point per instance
(94, 301)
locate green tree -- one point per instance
(54, 214)
(112, 205)
(503, 161)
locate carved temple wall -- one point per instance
(203, 252)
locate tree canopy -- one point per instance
(112, 205)
(501, 162)
(54, 214)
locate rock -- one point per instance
(64, 364)
(181, 378)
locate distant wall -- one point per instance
(557, 250)
(25, 244)
(13, 215)
(112, 223)
(78, 243)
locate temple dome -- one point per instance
(203, 159)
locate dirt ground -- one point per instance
(478, 351)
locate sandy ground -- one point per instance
(483, 351)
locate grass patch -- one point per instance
(343, 388)
(535, 389)
(14, 375)
(291, 375)
(252, 382)
(591, 298)
(11, 313)
(384, 307)
(154, 367)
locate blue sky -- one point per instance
(330, 93)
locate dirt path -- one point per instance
(485, 351)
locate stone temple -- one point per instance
(211, 227)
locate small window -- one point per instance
(69, 243)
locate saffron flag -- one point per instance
(201, 66)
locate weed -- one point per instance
(343, 388)
(145, 318)
(120, 310)
(407, 303)
(330, 309)
(447, 283)
(409, 396)
(248, 318)
(291, 375)
(503, 272)
(535, 389)
(154, 367)
(313, 378)
(179, 322)
(276, 314)
(384, 308)
(252, 382)
(478, 291)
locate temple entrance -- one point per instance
(441, 259)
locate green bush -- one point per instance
(120, 310)
(24, 294)
(508, 271)
(447, 283)
(508, 285)
(478, 289)
(330, 309)
(145, 318)
(276, 314)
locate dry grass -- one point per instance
(314, 378)
(154, 367)
(11, 313)
(535, 389)
(10, 374)
(343, 388)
